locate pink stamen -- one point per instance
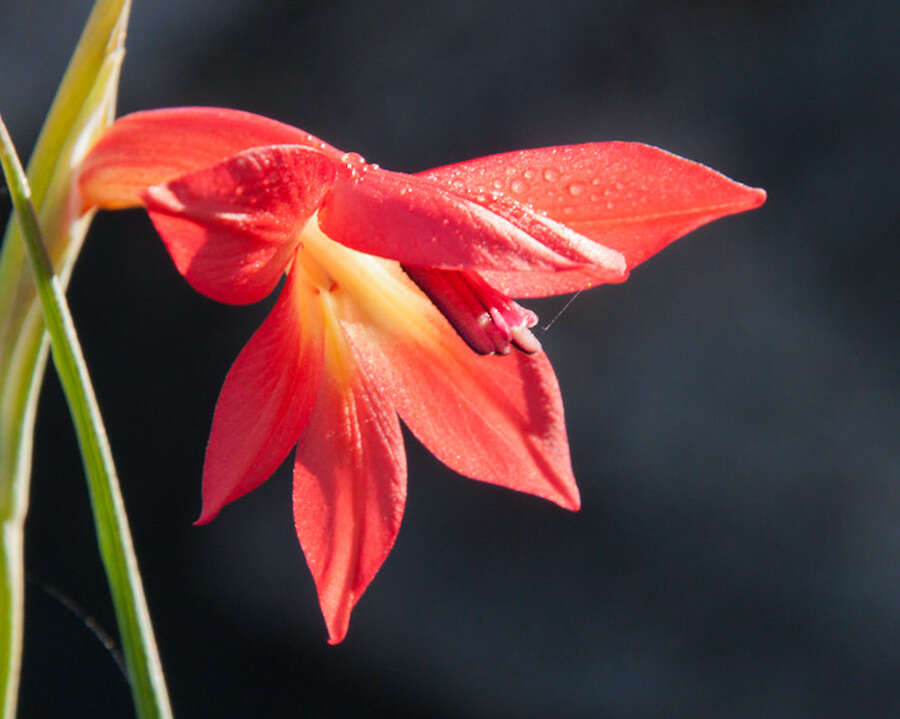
(488, 321)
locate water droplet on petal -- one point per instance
(551, 175)
(576, 189)
(517, 186)
(353, 158)
(498, 184)
(528, 174)
(596, 181)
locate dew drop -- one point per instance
(517, 186)
(609, 205)
(576, 189)
(353, 158)
(567, 210)
(596, 181)
(551, 175)
(528, 174)
(498, 184)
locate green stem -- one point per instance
(141, 656)
(84, 105)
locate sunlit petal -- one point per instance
(149, 148)
(416, 222)
(630, 197)
(494, 418)
(349, 486)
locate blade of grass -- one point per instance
(141, 657)
(83, 106)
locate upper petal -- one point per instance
(349, 486)
(418, 222)
(494, 418)
(149, 148)
(266, 400)
(231, 228)
(630, 197)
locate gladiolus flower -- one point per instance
(398, 301)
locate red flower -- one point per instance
(382, 267)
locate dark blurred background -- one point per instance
(732, 410)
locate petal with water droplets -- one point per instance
(630, 197)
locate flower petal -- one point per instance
(546, 284)
(232, 228)
(494, 418)
(349, 487)
(266, 399)
(149, 148)
(417, 222)
(550, 233)
(630, 197)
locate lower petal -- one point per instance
(266, 399)
(349, 485)
(497, 419)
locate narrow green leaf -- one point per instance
(83, 107)
(139, 647)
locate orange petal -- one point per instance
(630, 197)
(266, 399)
(231, 228)
(494, 418)
(149, 148)
(349, 487)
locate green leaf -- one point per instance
(84, 105)
(141, 657)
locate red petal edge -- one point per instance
(266, 400)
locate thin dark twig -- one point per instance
(99, 632)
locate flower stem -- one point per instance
(116, 550)
(83, 106)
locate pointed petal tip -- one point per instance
(567, 497)
(206, 516)
(336, 638)
(757, 197)
(573, 504)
